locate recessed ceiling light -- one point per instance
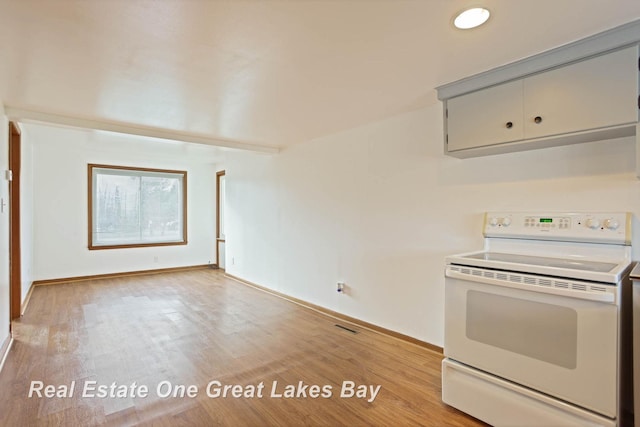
(471, 18)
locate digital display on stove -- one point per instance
(546, 219)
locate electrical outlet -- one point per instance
(155, 259)
(340, 288)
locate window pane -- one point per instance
(161, 209)
(117, 214)
(135, 206)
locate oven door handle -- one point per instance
(606, 297)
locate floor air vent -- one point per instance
(346, 329)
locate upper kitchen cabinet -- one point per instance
(584, 91)
(591, 94)
(584, 101)
(486, 117)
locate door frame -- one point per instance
(15, 274)
(219, 237)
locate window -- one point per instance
(134, 207)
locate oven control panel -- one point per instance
(596, 227)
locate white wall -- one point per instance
(4, 229)
(380, 207)
(26, 214)
(60, 158)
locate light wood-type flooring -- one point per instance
(200, 328)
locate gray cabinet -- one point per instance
(486, 117)
(591, 94)
(593, 99)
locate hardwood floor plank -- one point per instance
(171, 331)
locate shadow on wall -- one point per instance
(616, 156)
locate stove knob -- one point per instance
(593, 223)
(493, 221)
(506, 221)
(611, 224)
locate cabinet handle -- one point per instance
(509, 125)
(537, 119)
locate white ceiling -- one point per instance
(264, 73)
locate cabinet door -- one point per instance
(482, 118)
(591, 94)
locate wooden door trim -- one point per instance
(219, 239)
(15, 276)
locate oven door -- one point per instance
(549, 340)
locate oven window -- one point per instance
(542, 331)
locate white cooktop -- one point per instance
(586, 246)
(570, 264)
(593, 269)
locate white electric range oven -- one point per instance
(537, 324)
